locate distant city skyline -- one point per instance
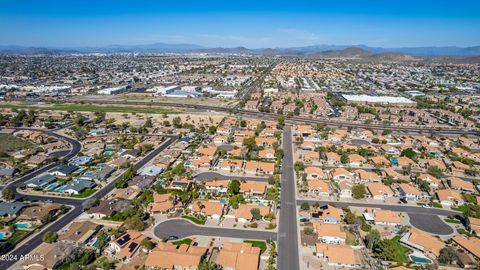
(268, 24)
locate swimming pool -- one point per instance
(60, 189)
(420, 260)
(108, 153)
(109, 147)
(2, 235)
(260, 204)
(223, 201)
(22, 225)
(52, 186)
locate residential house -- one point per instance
(107, 208)
(210, 209)
(241, 256)
(168, 256)
(356, 160)
(470, 244)
(267, 154)
(162, 204)
(125, 247)
(142, 182)
(330, 233)
(53, 256)
(379, 191)
(339, 174)
(367, 176)
(314, 173)
(386, 218)
(253, 188)
(38, 214)
(450, 197)
(327, 214)
(76, 186)
(217, 186)
(41, 181)
(474, 225)
(80, 232)
(63, 170)
(340, 256)
(423, 242)
(11, 209)
(345, 188)
(244, 214)
(434, 182)
(333, 158)
(460, 184)
(318, 187)
(408, 192)
(259, 167)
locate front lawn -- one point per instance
(84, 194)
(260, 244)
(195, 220)
(452, 220)
(187, 241)
(17, 236)
(464, 232)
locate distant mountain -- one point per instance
(322, 49)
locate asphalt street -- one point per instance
(205, 176)
(392, 207)
(288, 258)
(77, 210)
(430, 223)
(183, 228)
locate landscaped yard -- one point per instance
(260, 244)
(351, 239)
(17, 236)
(187, 241)
(452, 220)
(84, 194)
(464, 232)
(195, 220)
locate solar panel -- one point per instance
(124, 239)
(132, 247)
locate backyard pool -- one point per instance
(60, 189)
(420, 260)
(260, 204)
(2, 235)
(223, 201)
(108, 153)
(22, 225)
(52, 186)
(109, 147)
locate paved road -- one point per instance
(183, 228)
(288, 258)
(77, 210)
(392, 207)
(205, 176)
(290, 119)
(430, 223)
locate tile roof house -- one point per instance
(367, 176)
(345, 188)
(408, 192)
(239, 256)
(314, 173)
(80, 232)
(337, 255)
(474, 225)
(107, 208)
(386, 217)
(124, 247)
(356, 160)
(259, 167)
(450, 197)
(333, 158)
(339, 174)
(379, 191)
(327, 214)
(330, 233)
(38, 213)
(217, 186)
(470, 244)
(53, 256)
(211, 209)
(244, 214)
(432, 180)
(162, 203)
(318, 187)
(143, 182)
(380, 161)
(168, 256)
(424, 242)
(267, 154)
(253, 188)
(311, 156)
(460, 184)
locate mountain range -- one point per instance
(322, 50)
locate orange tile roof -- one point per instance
(244, 211)
(471, 244)
(239, 256)
(386, 216)
(328, 229)
(209, 208)
(253, 186)
(379, 189)
(456, 182)
(319, 185)
(339, 254)
(449, 195)
(167, 256)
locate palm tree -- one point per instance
(207, 265)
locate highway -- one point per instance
(76, 204)
(330, 122)
(288, 258)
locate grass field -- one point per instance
(17, 236)
(94, 108)
(401, 250)
(194, 220)
(187, 241)
(260, 244)
(84, 194)
(10, 143)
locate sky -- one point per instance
(231, 23)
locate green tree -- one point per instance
(234, 187)
(409, 153)
(447, 255)
(8, 194)
(435, 171)
(372, 238)
(50, 237)
(358, 191)
(134, 223)
(305, 206)
(250, 143)
(255, 214)
(207, 265)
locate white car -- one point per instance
(426, 206)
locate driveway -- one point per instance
(430, 223)
(183, 228)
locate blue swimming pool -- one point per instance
(52, 186)
(223, 201)
(109, 147)
(22, 225)
(108, 153)
(60, 189)
(2, 235)
(420, 260)
(260, 204)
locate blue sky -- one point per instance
(228, 23)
